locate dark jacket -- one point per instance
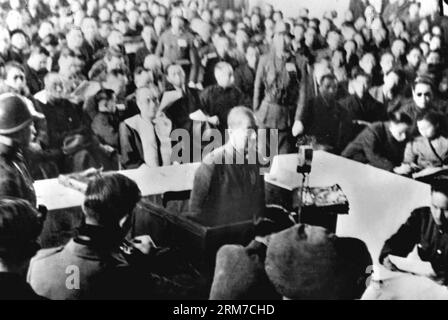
(104, 271)
(365, 109)
(15, 179)
(218, 101)
(226, 193)
(105, 127)
(179, 111)
(328, 122)
(14, 287)
(431, 240)
(376, 146)
(63, 119)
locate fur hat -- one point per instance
(307, 262)
(239, 274)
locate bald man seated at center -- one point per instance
(228, 186)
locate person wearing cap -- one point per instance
(308, 263)
(20, 226)
(278, 89)
(16, 133)
(228, 186)
(176, 45)
(426, 229)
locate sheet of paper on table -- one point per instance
(413, 266)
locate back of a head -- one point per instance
(239, 117)
(307, 262)
(109, 198)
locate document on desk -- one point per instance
(413, 266)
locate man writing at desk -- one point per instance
(427, 227)
(226, 191)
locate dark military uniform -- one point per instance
(328, 123)
(15, 180)
(276, 95)
(226, 193)
(431, 240)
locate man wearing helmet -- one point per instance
(16, 132)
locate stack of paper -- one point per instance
(413, 266)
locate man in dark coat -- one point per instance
(70, 139)
(325, 120)
(218, 99)
(98, 263)
(381, 144)
(228, 186)
(427, 227)
(363, 108)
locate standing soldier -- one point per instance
(278, 81)
(16, 132)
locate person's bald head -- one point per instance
(242, 128)
(241, 117)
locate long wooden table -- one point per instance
(151, 181)
(379, 201)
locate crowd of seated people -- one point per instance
(106, 84)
